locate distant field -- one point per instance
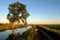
(53, 26)
(4, 27)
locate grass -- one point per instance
(57, 27)
(53, 28)
(4, 27)
(27, 35)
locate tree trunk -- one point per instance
(13, 25)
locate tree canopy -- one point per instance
(17, 12)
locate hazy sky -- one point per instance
(41, 11)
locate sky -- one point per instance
(41, 11)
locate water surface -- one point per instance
(5, 34)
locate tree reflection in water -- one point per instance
(14, 37)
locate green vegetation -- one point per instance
(4, 27)
(17, 12)
(53, 28)
(27, 35)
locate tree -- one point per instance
(17, 12)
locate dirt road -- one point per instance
(42, 34)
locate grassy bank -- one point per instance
(57, 27)
(53, 28)
(27, 35)
(4, 27)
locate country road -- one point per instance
(42, 34)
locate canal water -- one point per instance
(5, 34)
